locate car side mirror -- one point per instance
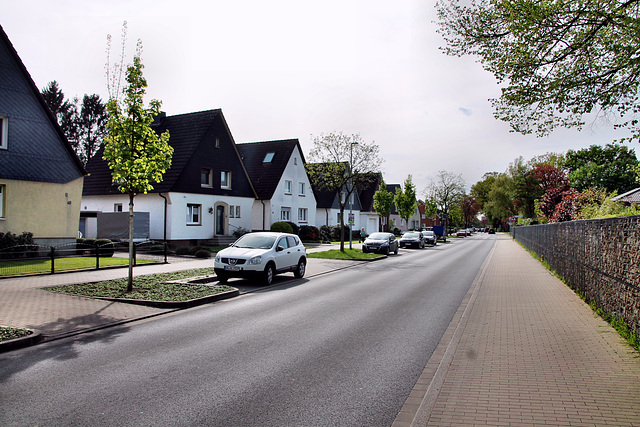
(279, 249)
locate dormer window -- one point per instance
(268, 158)
(206, 178)
(4, 132)
(217, 142)
(225, 180)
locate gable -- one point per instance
(36, 149)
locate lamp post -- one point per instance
(351, 194)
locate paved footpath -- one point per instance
(524, 350)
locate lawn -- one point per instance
(348, 254)
(33, 266)
(151, 287)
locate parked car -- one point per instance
(462, 233)
(492, 231)
(411, 239)
(429, 237)
(381, 242)
(261, 255)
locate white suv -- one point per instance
(261, 255)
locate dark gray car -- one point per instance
(381, 243)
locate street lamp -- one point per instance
(351, 194)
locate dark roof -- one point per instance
(192, 137)
(391, 188)
(366, 194)
(265, 176)
(37, 148)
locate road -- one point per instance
(344, 348)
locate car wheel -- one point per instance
(386, 251)
(365, 250)
(269, 273)
(302, 266)
(222, 278)
(396, 251)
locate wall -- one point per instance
(598, 258)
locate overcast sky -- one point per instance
(285, 69)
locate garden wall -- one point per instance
(598, 258)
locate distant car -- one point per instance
(261, 255)
(462, 233)
(429, 237)
(381, 242)
(411, 239)
(492, 231)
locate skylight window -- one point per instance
(268, 157)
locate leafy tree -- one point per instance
(609, 167)
(480, 190)
(342, 163)
(446, 190)
(470, 208)
(499, 203)
(556, 60)
(137, 156)
(405, 200)
(549, 177)
(383, 201)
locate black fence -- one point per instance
(599, 258)
(36, 259)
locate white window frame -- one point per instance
(303, 214)
(117, 207)
(231, 211)
(301, 188)
(285, 213)
(237, 211)
(4, 132)
(194, 214)
(287, 187)
(225, 176)
(209, 179)
(3, 191)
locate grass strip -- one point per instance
(348, 254)
(13, 268)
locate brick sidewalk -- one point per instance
(525, 350)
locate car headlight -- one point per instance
(218, 258)
(255, 260)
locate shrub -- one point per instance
(309, 233)
(20, 245)
(282, 227)
(107, 248)
(294, 227)
(203, 253)
(194, 249)
(239, 232)
(182, 250)
(325, 233)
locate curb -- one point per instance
(16, 343)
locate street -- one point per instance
(344, 348)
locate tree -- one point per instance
(446, 190)
(405, 200)
(609, 167)
(137, 156)
(470, 208)
(383, 201)
(499, 205)
(556, 60)
(64, 110)
(342, 163)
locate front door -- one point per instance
(219, 220)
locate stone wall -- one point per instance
(599, 258)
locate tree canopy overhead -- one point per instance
(557, 60)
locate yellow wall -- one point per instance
(45, 209)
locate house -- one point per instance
(205, 195)
(328, 205)
(630, 197)
(400, 223)
(278, 175)
(41, 177)
(369, 218)
(425, 221)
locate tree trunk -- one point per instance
(130, 281)
(341, 228)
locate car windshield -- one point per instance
(428, 233)
(379, 236)
(411, 235)
(255, 241)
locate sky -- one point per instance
(293, 69)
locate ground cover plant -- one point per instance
(347, 254)
(152, 287)
(8, 333)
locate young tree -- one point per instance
(382, 202)
(342, 163)
(557, 60)
(137, 156)
(405, 200)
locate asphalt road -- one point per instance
(343, 349)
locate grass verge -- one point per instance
(8, 333)
(152, 287)
(13, 268)
(348, 254)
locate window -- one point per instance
(217, 142)
(206, 177)
(2, 194)
(287, 187)
(301, 188)
(302, 214)
(295, 160)
(193, 214)
(4, 132)
(285, 214)
(237, 211)
(225, 180)
(268, 157)
(338, 218)
(117, 207)
(231, 211)
(423, 216)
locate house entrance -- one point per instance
(219, 220)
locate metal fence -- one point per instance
(37, 259)
(600, 259)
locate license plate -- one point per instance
(232, 268)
